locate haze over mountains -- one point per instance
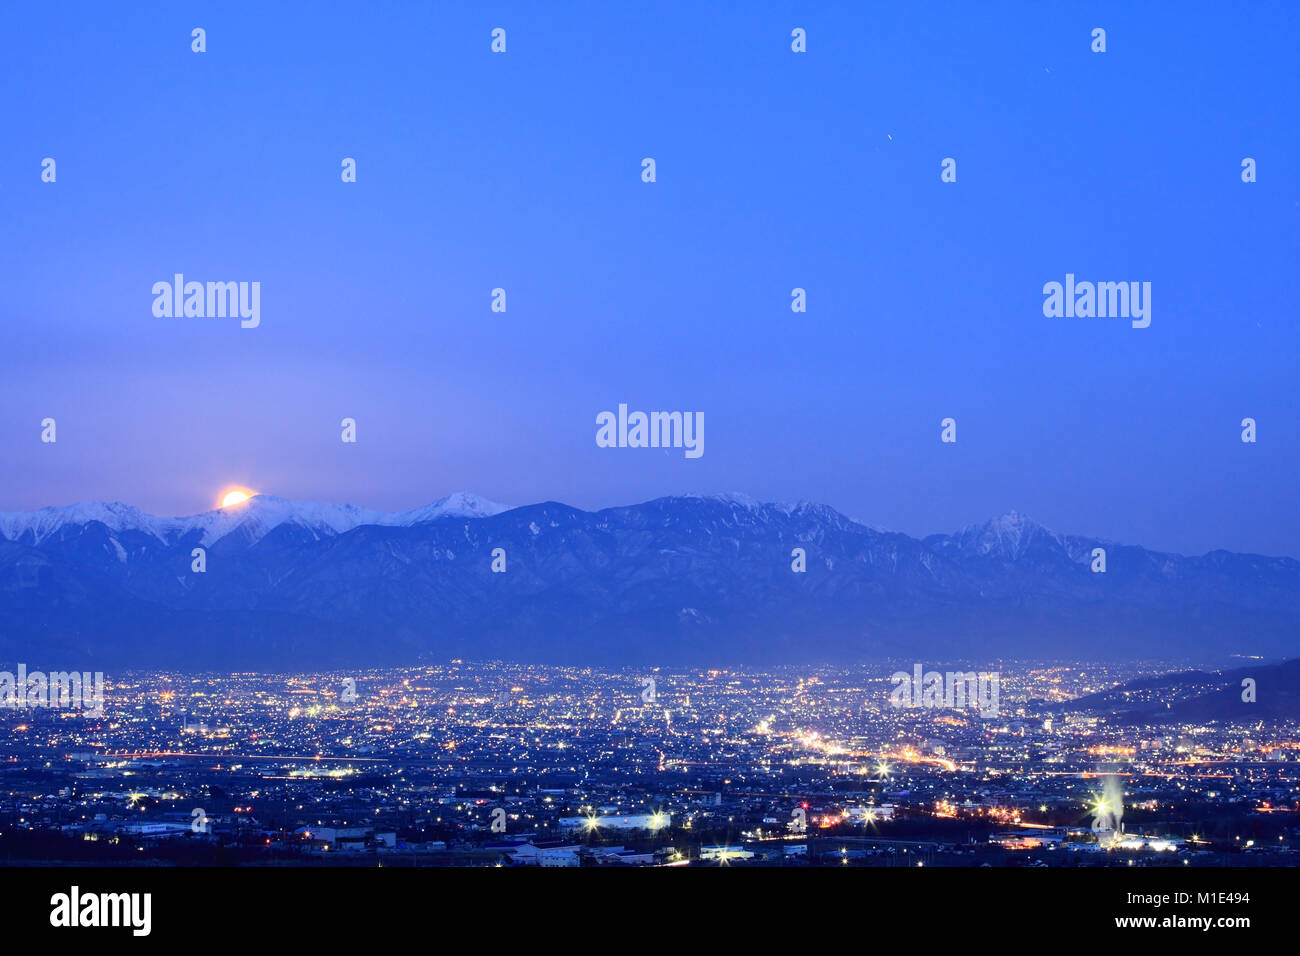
(673, 581)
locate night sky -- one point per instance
(775, 170)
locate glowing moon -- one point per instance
(233, 498)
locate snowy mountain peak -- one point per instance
(113, 515)
(460, 504)
(254, 518)
(736, 498)
(1013, 522)
(1007, 535)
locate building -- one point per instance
(723, 854)
(627, 821)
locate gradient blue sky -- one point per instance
(775, 170)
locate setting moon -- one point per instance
(235, 497)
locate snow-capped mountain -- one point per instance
(254, 518)
(691, 579)
(1007, 535)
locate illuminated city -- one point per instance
(449, 450)
(487, 764)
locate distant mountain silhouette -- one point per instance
(1197, 697)
(681, 580)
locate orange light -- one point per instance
(234, 496)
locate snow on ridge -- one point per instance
(750, 503)
(1006, 534)
(256, 517)
(461, 504)
(115, 515)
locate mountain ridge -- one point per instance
(680, 579)
(1009, 525)
(268, 511)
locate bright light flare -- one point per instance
(235, 496)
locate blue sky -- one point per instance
(775, 170)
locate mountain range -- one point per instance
(690, 580)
